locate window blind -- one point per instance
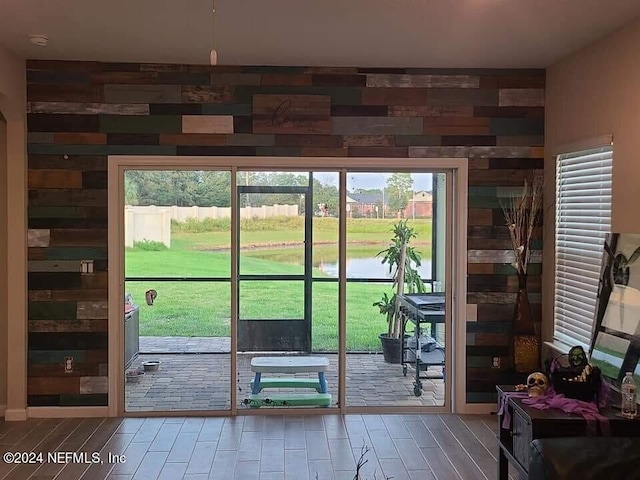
(583, 219)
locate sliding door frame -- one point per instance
(455, 282)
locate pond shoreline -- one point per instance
(267, 246)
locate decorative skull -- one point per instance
(537, 383)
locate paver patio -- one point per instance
(201, 381)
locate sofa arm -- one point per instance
(584, 458)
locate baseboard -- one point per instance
(15, 414)
(479, 408)
(3, 408)
(67, 412)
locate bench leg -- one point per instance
(323, 382)
(256, 384)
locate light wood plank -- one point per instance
(295, 465)
(272, 455)
(317, 446)
(202, 458)
(247, 471)
(224, 465)
(116, 445)
(250, 446)
(183, 447)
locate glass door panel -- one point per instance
(177, 312)
(381, 205)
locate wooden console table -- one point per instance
(528, 424)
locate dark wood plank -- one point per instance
(298, 114)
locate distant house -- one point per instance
(364, 204)
(420, 206)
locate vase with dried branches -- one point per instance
(522, 214)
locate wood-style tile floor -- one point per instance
(402, 447)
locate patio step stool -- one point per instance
(289, 365)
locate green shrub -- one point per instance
(149, 246)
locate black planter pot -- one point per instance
(391, 348)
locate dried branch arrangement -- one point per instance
(521, 214)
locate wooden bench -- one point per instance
(289, 365)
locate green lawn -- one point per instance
(188, 308)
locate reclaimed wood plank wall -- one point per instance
(81, 112)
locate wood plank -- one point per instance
(193, 139)
(439, 464)
(272, 455)
(285, 79)
(521, 97)
(432, 111)
(79, 237)
(426, 81)
(72, 443)
(53, 385)
(183, 447)
(207, 124)
(38, 237)
(394, 96)
(224, 465)
(70, 93)
(202, 458)
(135, 453)
(383, 152)
(477, 451)
(294, 436)
(45, 435)
(250, 445)
(68, 326)
(376, 126)
(89, 108)
(368, 140)
(324, 152)
(94, 384)
(80, 138)
(54, 179)
(92, 310)
(323, 141)
(141, 94)
(438, 152)
(73, 471)
(116, 445)
(297, 114)
(206, 94)
(127, 78)
(295, 465)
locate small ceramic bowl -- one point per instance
(134, 376)
(151, 366)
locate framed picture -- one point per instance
(615, 345)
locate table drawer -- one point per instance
(521, 432)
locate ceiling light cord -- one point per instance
(213, 54)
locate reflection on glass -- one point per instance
(608, 354)
(623, 310)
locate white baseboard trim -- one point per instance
(479, 408)
(67, 412)
(15, 414)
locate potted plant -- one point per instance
(403, 261)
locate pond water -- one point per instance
(370, 267)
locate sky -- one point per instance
(421, 181)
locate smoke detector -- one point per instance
(39, 40)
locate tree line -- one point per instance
(186, 188)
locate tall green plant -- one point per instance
(403, 261)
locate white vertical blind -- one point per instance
(583, 218)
